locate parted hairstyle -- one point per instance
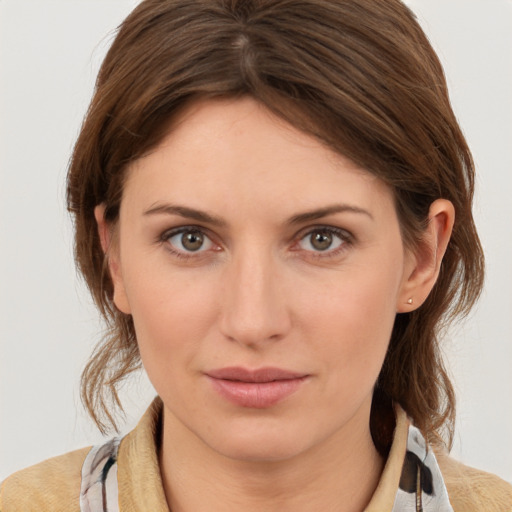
(360, 76)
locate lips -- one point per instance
(258, 376)
(259, 388)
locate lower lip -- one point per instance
(256, 395)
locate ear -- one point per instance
(110, 246)
(422, 265)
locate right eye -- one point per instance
(186, 241)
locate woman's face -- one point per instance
(263, 272)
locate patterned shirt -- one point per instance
(124, 475)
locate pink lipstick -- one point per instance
(256, 389)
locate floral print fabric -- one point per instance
(421, 487)
(98, 492)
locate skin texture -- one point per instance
(259, 293)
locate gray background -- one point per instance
(49, 54)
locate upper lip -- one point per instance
(267, 374)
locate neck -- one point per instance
(338, 475)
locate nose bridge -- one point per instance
(254, 308)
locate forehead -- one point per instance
(236, 153)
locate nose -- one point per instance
(254, 307)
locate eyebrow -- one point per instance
(208, 218)
(328, 210)
(187, 213)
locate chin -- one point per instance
(265, 441)
(272, 450)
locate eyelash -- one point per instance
(346, 241)
(167, 235)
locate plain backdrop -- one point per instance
(50, 52)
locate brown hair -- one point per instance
(361, 76)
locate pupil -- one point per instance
(192, 240)
(321, 241)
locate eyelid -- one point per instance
(345, 236)
(342, 233)
(165, 236)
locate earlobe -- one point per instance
(111, 251)
(424, 262)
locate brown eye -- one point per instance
(188, 240)
(192, 241)
(323, 240)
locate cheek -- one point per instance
(172, 312)
(351, 324)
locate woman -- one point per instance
(273, 212)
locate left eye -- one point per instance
(190, 240)
(322, 240)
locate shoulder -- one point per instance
(50, 485)
(471, 490)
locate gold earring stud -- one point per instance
(409, 301)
